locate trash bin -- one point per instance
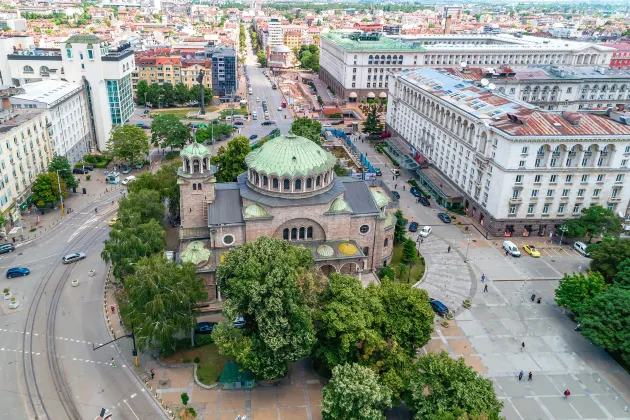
(84, 191)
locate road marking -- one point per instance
(133, 395)
(83, 226)
(132, 412)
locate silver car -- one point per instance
(70, 258)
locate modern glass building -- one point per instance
(120, 98)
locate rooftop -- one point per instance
(83, 39)
(541, 72)
(19, 117)
(48, 91)
(342, 40)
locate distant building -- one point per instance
(621, 56)
(224, 69)
(392, 29)
(280, 57)
(293, 39)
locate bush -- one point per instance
(458, 210)
(203, 339)
(171, 155)
(335, 116)
(88, 177)
(186, 361)
(197, 360)
(192, 412)
(179, 344)
(33, 230)
(386, 272)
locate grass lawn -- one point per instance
(172, 155)
(181, 112)
(211, 363)
(237, 111)
(416, 271)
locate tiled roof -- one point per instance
(540, 123)
(83, 39)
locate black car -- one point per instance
(438, 307)
(88, 167)
(239, 123)
(444, 217)
(413, 227)
(205, 327)
(267, 123)
(424, 201)
(337, 122)
(396, 195)
(80, 171)
(415, 192)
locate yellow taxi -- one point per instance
(531, 250)
(113, 221)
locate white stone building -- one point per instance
(71, 131)
(516, 170)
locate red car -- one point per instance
(386, 135)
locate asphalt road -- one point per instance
(48, 368)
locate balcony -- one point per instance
(614, 199)
(516, 200)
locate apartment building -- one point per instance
(351, 62)
(293, 39)
(515, 169)
(25, 152)
(70, 129)
(156, 69)
(274, 29)
(224, 69)
(190, 70)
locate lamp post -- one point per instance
(467, 247)
(145, 101)
(63, 213)
(562, 230)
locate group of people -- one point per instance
(533, 297)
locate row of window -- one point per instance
(516, 194)
(297, 234)
(286, 183)
(569, 178)
(531, 208)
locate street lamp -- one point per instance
(467, 247)
(562, 230)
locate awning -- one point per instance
(352, 95)
(23, 206)
(371, 95)
(382, 95)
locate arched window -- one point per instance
(309, 232)
(44, 70)
(285, 234)
(199, 186)
(257, 179)
(326, 179)
(265, 181)
(386, 242)
(302, 231)
(318, 181)
(195, 166)
(309, 183)
(275, 183)
(28, 69)
(287, 185)
(294, 234)
(298, 184)
(194, 187)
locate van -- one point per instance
(511, 248)
(251, 91)
(581, 248)
(254, 115)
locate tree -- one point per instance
(45, 189)
(573, 229)
(311, 284)
(409, 253)
(213, 131)
(230, 160)
(262, 60)
(129, 242)
(441, 384)
(168, 131)
(606, 321)
(399, 230)
(181, 94)
(308, 128)
(128, 143)
(622, 278)
(354, 392)
(161, 301)
(606, 257)
(168, 93)
(164, 182)
(459, 414)
(153, 95)
(371, 124)
(258, 280)
(195, 93)
(576, 291)
(402, 272)
(141, 207)
(594, 221)
(61, 164)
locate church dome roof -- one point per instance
(195, 150)
(339, 205)
(255, 210)
(290, 156)
(381, 198)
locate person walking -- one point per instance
(533, 297)
(566, 394)
(449, 249)
(395, 186)
(538, 300)
(506, 252)
(522, 346)
(403, 188)
(483, 278)
(113, 364)
(153, 373)
(520, 375)
(529, 377)
(485, 288)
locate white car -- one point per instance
(425, 231)
(327, 125)
(395, 171)
(257, 99)
(129, 179)
(279, 108)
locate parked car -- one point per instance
(424, 201)
(349, 125)
(205, 327)
(70, 258)
(531, 250)
(415, 192)
(378, 172)
(88, 167)
(326, 125)
(17, 272)
(139, 165)
(338, 122)
(80, 171)
(511, 248)
(438, 307)
(239, 322)
(6, 248)
(425, 231)
(126, 169)
(257, 99)
(395, 171)
(253, 136)
(239, 123)
(413, 227)
(268, 122)
(581, 248)
(129, 179)
(279, 108)
(396, 195)
(444, 217)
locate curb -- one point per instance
(183, 365)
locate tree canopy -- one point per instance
(606, 257)
(213, 131)
(308, 128)
(128, 143)
(594, 221)
(576, 291)
(164, 182)
(399, 229)
(141, 207)
(258, 280)
(371, 125)
(45, 189)
(61, 164)
(168, 131)
(230, 160)
(622, 278)
(354, 392)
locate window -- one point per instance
(627, 149)
(228, 239)
(569, 90)
(600, 178)
(525, 150)
(565, 193)
(309, 183)
(512, 208)
(569, 178)
(600, 161)
(91, 54)
(530, 209)
(545, 209)
(534, 193)
(553, 179)
(561, 209)
(302, 233)
(624, 163)
(553, 162)
(576, 209)
(537, 163)
(537, 179)
(385, 242)
(364, 229)
(285, 234)
(265, 181)
(81, 56)
(596, 192)
(619, 178)
(615, 191)
(275, 183)
(584, 161)
(294, 234)
(550, 193)
(68, 52)
(569, 162)
(194, 187)
(519, 179)
(286, 184)
(298, 184)
(515, 194)
(581, 192)
(585, 178)
(521, 164)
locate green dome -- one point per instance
(381, 198)
(195, 150)
(325, 251)
(290, 156)
(389, 220)
(255, 210)
(196, 253)
(339, 206)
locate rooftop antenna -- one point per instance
(484, 82)
(492, 86)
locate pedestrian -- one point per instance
(486, 236)
(113, 363)
(506, 252)
(566, 394)
(449, 249)
(538, 301)
(485, 288)
(403, 188)
(393, 178)
(395, 186)
(483, 278)
(522, 346)
(153, 373)
(533, 296)
(418, 200)
(520, 375)
(529, 377)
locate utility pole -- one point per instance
(63, 210)
(134, 352)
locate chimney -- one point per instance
(6, 103)
(447, 25)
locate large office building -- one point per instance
(355, 64)
(515, 169)
(224, 69)
(70, 129)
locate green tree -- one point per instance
(128, 143)
(262, 60)
(45, 189)
(168, 131)
(258, 280)
(399, 230)
(217, 130)
(141, 207)
(441, 384)
(161, 297)
(311, 285)
(164, 182)
(606, 257)
(141, 90)
(606, 321)
(576, 291)
(402, 271)
(195, 94)
(622, 278)
(594, 221)
(308, 128)
(168, 93)
(181, 94)
(61, 164)
(459, 414)
(154, 95)
(230, 160)
(409, 253)
(127, 244)
(354, 392)
(371, 124)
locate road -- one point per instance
(48, 368)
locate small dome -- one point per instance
(325, 251)
(347, 248)
(389, 220)
(196, 253)
(381, 199)
(339, 205)
(255, 210)
(281, 49)
(195, 150)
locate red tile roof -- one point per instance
(539, 123)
